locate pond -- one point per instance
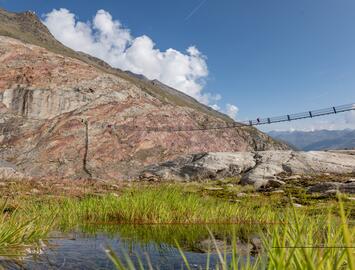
(84, 248)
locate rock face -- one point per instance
(272, 163)
(67, 115)
(202, 166)
(259, 169)
(9, 171)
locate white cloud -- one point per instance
(215, 107)
(232, 111)
(108, 40)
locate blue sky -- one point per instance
(266, 57)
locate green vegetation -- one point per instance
(162, 204)
(300, 244)
(17, 231)
(26, 218)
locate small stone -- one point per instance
(2, 184)
(277, 191)
(294, 177)
(148, 176)
(331, 192)
(275, 183)
(297, 205)
(257, 245)
(34, 190)
(241, 194)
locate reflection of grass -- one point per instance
(299, 244)
(189, 236)
(167, 205)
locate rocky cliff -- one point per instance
(259, 168)
(68, 115)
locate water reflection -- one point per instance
(85, 247)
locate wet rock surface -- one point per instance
(253, 246)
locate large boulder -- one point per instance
(273, 163)
(201, 166)
(260, 169)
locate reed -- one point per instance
(25, 220)
(18, 231)
(299, 244)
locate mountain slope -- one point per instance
(317, 140)
(69, 115)
(28, 28)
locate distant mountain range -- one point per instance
(317, 140)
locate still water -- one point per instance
(85, 247)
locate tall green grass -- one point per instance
(302, 243)
(287, 233)
(158, 205)
(18, 231)
(31, 218)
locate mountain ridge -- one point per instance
(317, 140)
(27, 27)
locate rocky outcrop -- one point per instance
(333, 187)
(259, 169)
(273, 163)
(64, 115)
(202, 166)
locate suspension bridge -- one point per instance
(216, 126)
(256, 122)
(302, 115)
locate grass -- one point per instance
(163, 204)
(299, 244)
(18, 232)
(32, 210)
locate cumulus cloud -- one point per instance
(232, 111)
(110, 41)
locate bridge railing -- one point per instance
(302, 115)
(215, 126)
